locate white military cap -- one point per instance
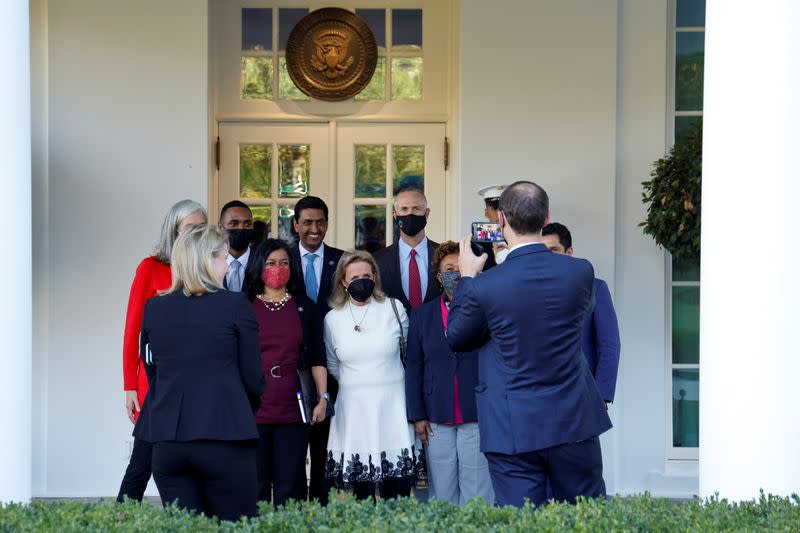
(491, 192)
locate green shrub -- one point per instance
(673, 197)
(640, 513)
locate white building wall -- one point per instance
(571, 94)
(127, 136)
(539, 101)
(640, 298)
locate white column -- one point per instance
(15, 260)
(750, 295)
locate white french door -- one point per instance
(271, 166)
(374, 162)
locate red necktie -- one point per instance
(414, 284)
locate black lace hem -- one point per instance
(343, 473)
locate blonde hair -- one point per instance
(169, 228)
(339, 296)
(193, 260)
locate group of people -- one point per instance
(428, 361)
(486, 232)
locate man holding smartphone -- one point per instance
(495, 251)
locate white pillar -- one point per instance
(15, 260)
(750, 294)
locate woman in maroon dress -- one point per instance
(291, 340)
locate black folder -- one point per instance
(307, 397)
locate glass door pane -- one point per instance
(374, 162)
(270, 167)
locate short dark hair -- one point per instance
(231, 204)
(525, 206)
(444, 249)
(310, 202)
(255, 265)
(564, 236)
(493, 202)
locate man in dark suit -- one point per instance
(600, 340)
(539, 410)
(236, 220)
(315, 264)
(405, 265)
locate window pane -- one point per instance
(262, 213)
(256, 29)
(256, 78)
(285, 226)
(294, 167)
(287, 90)
(406, 78)
(686, 270)
(370, 171)
(287, 20)
(376, 20)
(683, 125)
(409, 167)
(255, 170)
(691, 13)
(685, 408)
(370, 227)
(407, 28)
(686, 325)
(689, 50)
(376, 88)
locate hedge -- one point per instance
(640, 513)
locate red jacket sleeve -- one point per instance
(141, 290)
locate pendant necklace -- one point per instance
(357, 325)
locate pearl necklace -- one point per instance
(275, 306)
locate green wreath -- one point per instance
(673, 198)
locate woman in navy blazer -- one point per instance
(440, 394)
(200, 346)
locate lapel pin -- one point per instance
(300, 309)
(331, 263)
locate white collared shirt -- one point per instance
(320, 253)
(422, 263)
(517, 247)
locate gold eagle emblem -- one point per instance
(331, 57)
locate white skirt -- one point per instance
(370, 437)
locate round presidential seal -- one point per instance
(331, 54)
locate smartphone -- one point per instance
(486, 232)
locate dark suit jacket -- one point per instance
(535, 389)
(600, 342)
(204, 367)
(329, 262)
(432, 367)
(388, 261)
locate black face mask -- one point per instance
(361, 289)
(240, 239)
(412, 224)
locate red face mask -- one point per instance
(275, 276)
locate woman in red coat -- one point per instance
(152, 275)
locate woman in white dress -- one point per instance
(371, 442)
